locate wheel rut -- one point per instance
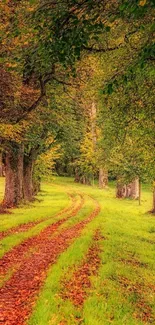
(14, 257)
(75, 289)
(20, 292)
(26, 226)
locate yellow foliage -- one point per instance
(46, 161)
(11, 132)
(11, 65)
(142, 3)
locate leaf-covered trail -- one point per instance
(15, 255)
(75, 289)
(19, 293)
(26, 226)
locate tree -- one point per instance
(41, 43)
(128, 132)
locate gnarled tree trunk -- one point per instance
(13, 176)
(103, 178)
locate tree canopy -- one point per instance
(57, 60)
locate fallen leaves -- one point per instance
(143, 310)
(29, 225)
(76, 288)
(20, 291)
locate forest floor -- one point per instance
(77, 255)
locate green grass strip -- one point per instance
(50, 201)
(50, 308)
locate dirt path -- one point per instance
(13, 258)
(19, 294)
(26, 226)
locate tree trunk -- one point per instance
(153, 208)
(93, 124)
(130, 190)
(103, 178)
(140, 191)
(77, 177)
(85, 180)
(153, 199)
(27, 177)
(135, 189)
(36, 185)
(121, 190)
(13, 176)
(1, 165)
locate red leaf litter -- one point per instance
(143, 310)
(19, 293)
(13, 258)
(29, 225)
(76, 288)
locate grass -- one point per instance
(50, 201)
(51, 309)
(123, 291)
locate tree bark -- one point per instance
(140, 191)
(36, 185)
(85, 180)
(27, 178)
(103, 178)
(77, 177)
(31, 185)
(135, 189)
(120, 190)
(130, 190)
(93, 124)
(153, 199)
(153, 208)
(13, 176)
(1, 165)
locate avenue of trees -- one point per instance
(77, 93)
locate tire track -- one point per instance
(19, 294)
(14, 257)
(27, 226)
(75, 289)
